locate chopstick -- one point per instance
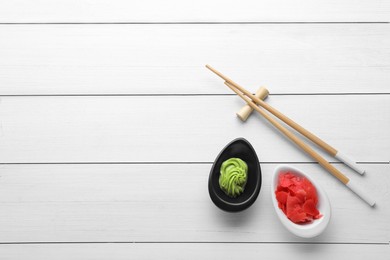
(250, 99)
(329, 149)
(324, 163)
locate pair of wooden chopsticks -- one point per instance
(253, 102)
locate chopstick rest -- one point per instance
(246, 111)
(329, 149)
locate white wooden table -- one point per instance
(109, 124)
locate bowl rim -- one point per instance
(306, 230)
(235, 207)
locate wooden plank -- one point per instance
(192, 251)
(170, 59)
(169, 203)
(183, 128)
(76, 11)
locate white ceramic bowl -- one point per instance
(302, 230)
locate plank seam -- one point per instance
(193, 242)
(189, 95)
(159, 163)
(184, 23)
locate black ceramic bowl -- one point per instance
(238, 148)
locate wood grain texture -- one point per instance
(169, 203)
(183, 128)
(192, 251)
(103, 11)
(170, 59)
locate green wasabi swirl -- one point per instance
(233, 177)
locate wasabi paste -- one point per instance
(234, 174)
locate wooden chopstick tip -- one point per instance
(233, 88)
(210, 68)
(219, 74)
